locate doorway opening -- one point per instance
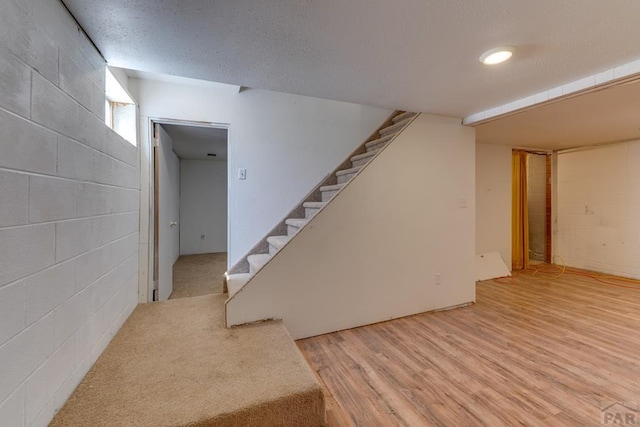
(531, 210)
(190, 209)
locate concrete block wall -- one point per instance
(598, 222)
(69, 207)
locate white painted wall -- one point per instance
(68, 212)
(184, 99)
(287, 144)
(169, 212)
(373, 252)
(493, 200)
(599, 209)
(121, 76)
(203, 206)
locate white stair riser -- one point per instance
(375, 147)
(291, 230)
(310, 212)
(257, 261)
(327, 195)
(377, 142)
(361, 162)
(276, 243)
(235, 282)
(272, 249)
(402, 117)
(346, 177)
(389, 130)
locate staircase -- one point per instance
(243, 271)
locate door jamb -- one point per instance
(146, 284)
(550, 197)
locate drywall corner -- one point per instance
(493, 200)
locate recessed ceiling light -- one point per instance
(496, 55)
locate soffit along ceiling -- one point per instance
(195, 143)
(419, 55)
(607, 115)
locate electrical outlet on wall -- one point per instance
(202, 237)
(438, 280)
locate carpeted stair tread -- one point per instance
(375, 142)
(348, 171)
(297, 222)
(404, 116)
(315, 205)
(235, 282)
(175, 364)
(278, 241)
(394, 128)
(377, 147)
(256, 262)
(329, 191)
(333, 187)
(362, 156)
(362, 159)
(312, 208)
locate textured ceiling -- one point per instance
(194, 142)
(419, 55)
(607, 115)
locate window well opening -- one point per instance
(120, 109)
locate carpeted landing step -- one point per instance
(174, 363)
(235, 282)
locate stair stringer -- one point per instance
(372, 253)
(242, 265)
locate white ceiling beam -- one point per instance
(611, 77)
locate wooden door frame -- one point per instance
(548, 208)
(156, 212)
(549, 197)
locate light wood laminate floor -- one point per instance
(532, 351)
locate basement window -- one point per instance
(120, 110)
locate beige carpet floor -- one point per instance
(195, 275)
(174, 363)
